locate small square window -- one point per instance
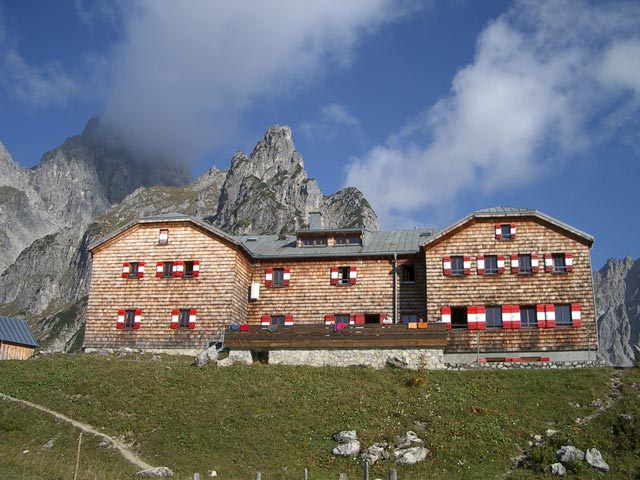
(344, 275)
(163, 239)
(524, 264)
(459, 317)
(559, 263)
(505, 230)
(278, 277)
(457, 265)
(184, 317)
(409, 273)
(343, 318)
(188, 268)
(133, 269)
(167, 269)
(491, 264)
(409, 318)
(563, 315)
(277, 320)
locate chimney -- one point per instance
(315, 221)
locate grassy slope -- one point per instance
(279, 420)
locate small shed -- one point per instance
(16, 339)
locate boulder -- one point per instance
(408, 440)
(397, 362)
(210, 355)
(410, 456)
(348, 449)
(570, 453)
(558, 469)
(594, 458)
(376, 452)
(157, 472)
(346, 436)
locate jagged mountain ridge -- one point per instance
(617, 295)
(266, 192)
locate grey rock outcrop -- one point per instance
(377, 451)
(558, 469)
(349, 445)
(569, 453)
(156, 472)
(594, 458)
(410, 456)
(617, 295)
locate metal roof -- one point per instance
(16, 330)
(374, 243)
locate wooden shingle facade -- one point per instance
(172, 283)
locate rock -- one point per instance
(156, 472)
(550, 432)
(213, 473)
(210, 355)
(347, 449)
(409, 439)
(597, 403)
(558, 469)
(346, 436)
(410, 456)
(376, 452)
(594, 458)
(419, 424)
(569, 453)
(536, 441)
(397, 362)
(627, 417)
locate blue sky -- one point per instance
(432, 108)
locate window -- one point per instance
(133, 270)
(457, 265)
(528, 317)
(559, 263)
(408, 318)
(163, 238)
(408, 273)
(491, 264)
(344, 275)
(505, 231)
(342, 318)
(277, 320)
(129, 318)
(184, 318)
(278, 277)
(458, 317)
(494, 317)
(314, 242)
(167, 269)
(563, 315)
(191, 268)
(524, 264)
(348, 241)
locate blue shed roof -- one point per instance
(16, 330)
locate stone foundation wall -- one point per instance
(412, 358)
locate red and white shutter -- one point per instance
(498, 232)
(500, 263)
(329, 319)
(159, 269)
(137, 319)
(540, 316)
(515, 317)
(175, 319)
(568, 261)
(515, 264)
(120, 324)
(472, 318)
(445, 316)
(548, 263)
(353, 275)
(334, 275)
(481, 318)
(192, 318)
(480, 264)
(286, 276)
(268, 276)
(178, 268)
(446, 265)
(535, 263)
(384, 318)
(550, 315)
(576, 315)
(141, 270)
(196, 268)
(125, 270)
(512, 230)
(506, 317)
(359, 318)
(352, 319)
(265, 320)
(288, 319)
(467, 265)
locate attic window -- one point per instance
(251, 239)
(348, 240)
(164, 236)
(314, 242)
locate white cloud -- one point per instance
(186, 71)
(332, 120)
(543, 74)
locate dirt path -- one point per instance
(124, 450)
